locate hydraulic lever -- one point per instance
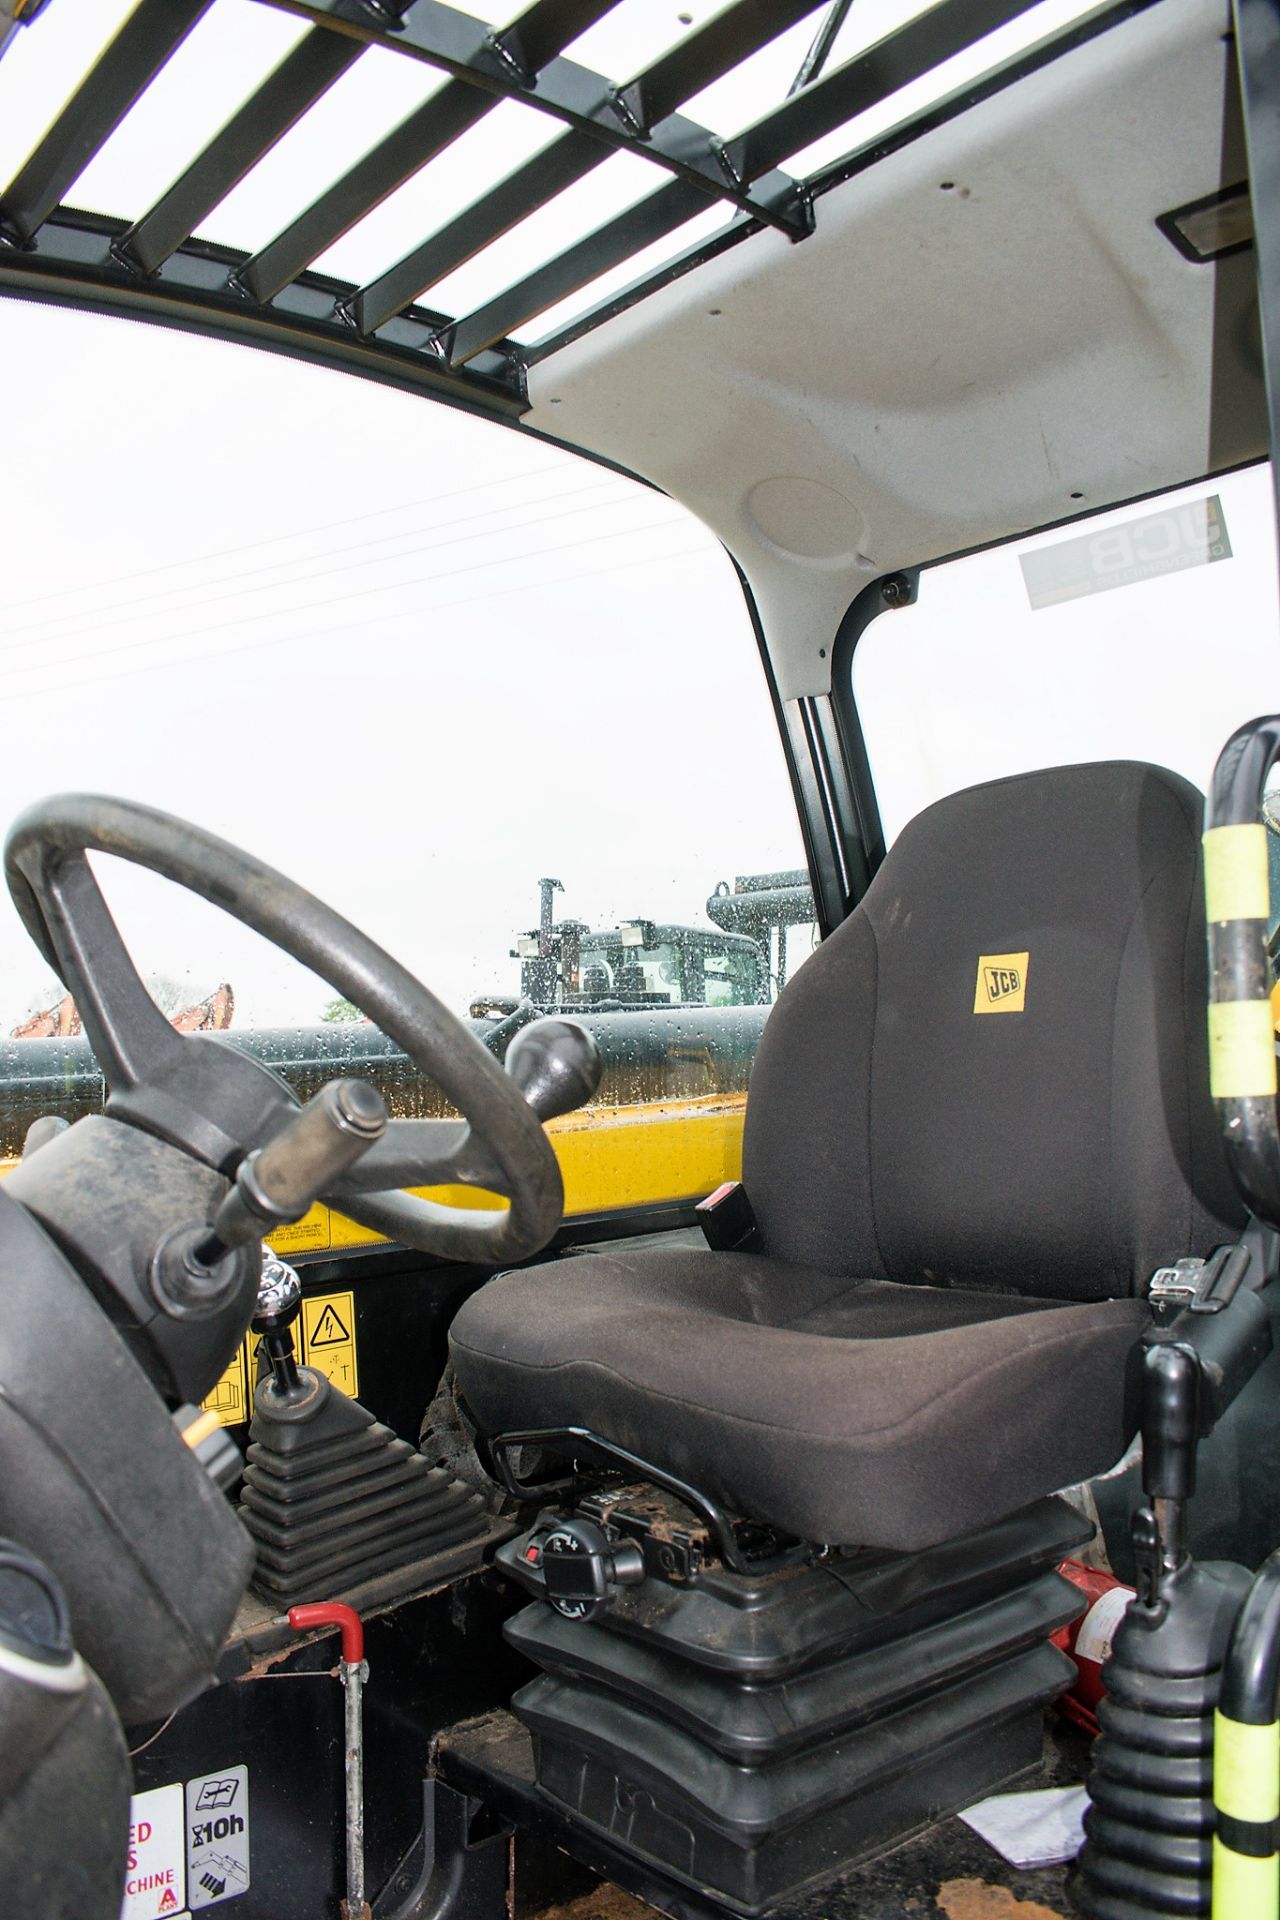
(191, 1272)
(278, 1183)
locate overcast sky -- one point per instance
(413, 658)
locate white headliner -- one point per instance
(936, 369)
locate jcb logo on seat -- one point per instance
(1002, 983)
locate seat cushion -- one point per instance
(853, 1412)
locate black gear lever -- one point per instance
(279, 1303)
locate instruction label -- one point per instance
(155, 1880)
(314, 1232)
(217, 1836)
(329, 1338)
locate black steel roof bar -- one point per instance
(426, 132)
(862, 82)
(301, 78)
(536, 37)
(464, 47)
(825, 38)
(866, 79)
(546, 175)
(530, 187)
(659, 214)
(723, 43)
(74, 264)
(1042, 54)
(127, 65)
(546, 29)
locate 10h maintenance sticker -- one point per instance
(217, 1837)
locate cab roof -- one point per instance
(849, 352)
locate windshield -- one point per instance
(406, 655)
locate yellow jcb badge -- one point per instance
(1002, 983)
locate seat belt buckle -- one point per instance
(727, 1222)
(1202, 1286)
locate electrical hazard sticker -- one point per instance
(329, 1338)
(155, 1879)
(217, 1836)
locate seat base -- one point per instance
(750, 1735)
(855, 1412)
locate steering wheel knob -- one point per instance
(556, 1064)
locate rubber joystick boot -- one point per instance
(1149, 1829)
(332, 1498)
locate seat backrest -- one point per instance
(995, 1072)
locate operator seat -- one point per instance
(978, 1121)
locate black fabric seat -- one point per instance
(979, 1119)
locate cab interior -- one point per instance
(670, 1423)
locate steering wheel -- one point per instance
(204, 1095)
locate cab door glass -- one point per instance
(1147, 633)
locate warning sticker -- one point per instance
(325, 1337)
(155, 1881)
(228, 1399)
(218, 1836)
(329, 1338)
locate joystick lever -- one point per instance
(313, 1148)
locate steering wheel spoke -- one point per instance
(62, 907)
(422, 1153)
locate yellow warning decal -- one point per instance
(1246, 1769)
(1242, 1049)
(1002, 983)
(328, 1327)
(229, 1400)
(1236, 881)
(312, 1234)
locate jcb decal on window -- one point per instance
(1002, 983)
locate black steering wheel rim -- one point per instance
(148, 1068)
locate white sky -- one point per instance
(413, 658)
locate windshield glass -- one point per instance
(410, 657)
